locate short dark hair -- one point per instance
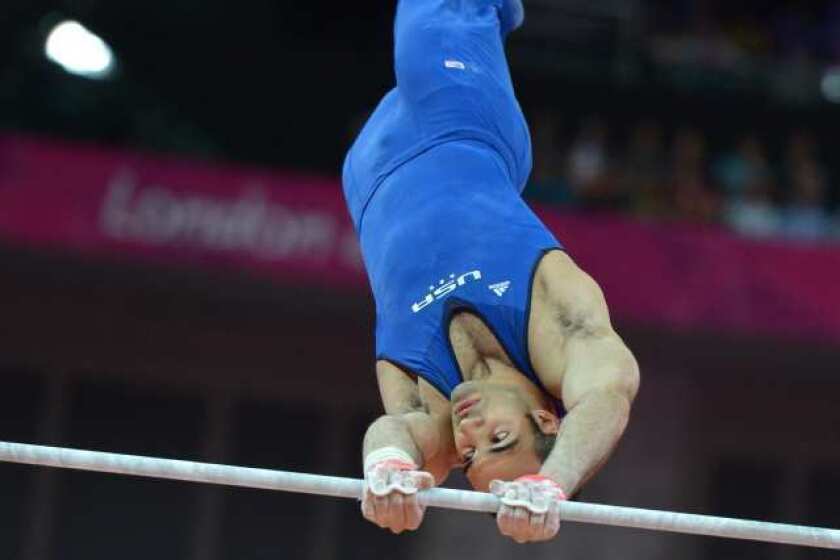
(543, 443)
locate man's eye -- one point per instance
(500, 437)
(468, 455)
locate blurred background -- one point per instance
(178, 276)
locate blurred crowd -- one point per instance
(657, 174)
(723, 33)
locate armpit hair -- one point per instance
(578, 324)
(413, 404)
(417, 403)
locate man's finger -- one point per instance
(380, 506)
(510, 523)
(552, 522)
(504, 520)
(413, 513)
(367, 509)
(537, 528)
(396, 513)
(521, 523)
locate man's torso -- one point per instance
(447, 233)
(478, 351)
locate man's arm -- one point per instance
(579, 358)
(591, 370)
(404, 450)
(414, 433)
(409, 425)
(598, 388)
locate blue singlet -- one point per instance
(433, 185)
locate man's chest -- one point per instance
(474, 346)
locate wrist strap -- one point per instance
(541, 478)
(388, 454)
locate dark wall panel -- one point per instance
(104, 516)
(20, 400)
(263, 525)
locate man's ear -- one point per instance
(548, 423)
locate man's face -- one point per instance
(493, 436)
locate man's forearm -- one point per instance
(587, 437)
(391, 431)
(416, 433)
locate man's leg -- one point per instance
(512, 15)
(444, 43)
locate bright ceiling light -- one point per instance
(79, 51)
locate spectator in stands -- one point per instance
(691, 195)
(589, 167)
(802, 149)
(643, 171)
(652, 183)
(753, 214)
(749, 186)
(737, 172)
(806, 216)
(548, 182)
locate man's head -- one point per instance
(499, 432)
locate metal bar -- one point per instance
(436, 497)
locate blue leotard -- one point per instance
(433, 184)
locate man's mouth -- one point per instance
(463, 408)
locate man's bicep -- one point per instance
(575, 348)
(599, 361)
(570, 328)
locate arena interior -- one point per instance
(180, 279)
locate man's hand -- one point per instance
(391, 486)
(530, 509)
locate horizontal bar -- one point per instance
(437, 497)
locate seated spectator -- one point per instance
(741, 188)
(589, 167)
(749, 186)
(643, 171)
(691, 195)
(548, 182)
(738, 171)
(753, 214)
(806, 216)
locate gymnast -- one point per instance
(494, 350)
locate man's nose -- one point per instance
(472, 424)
